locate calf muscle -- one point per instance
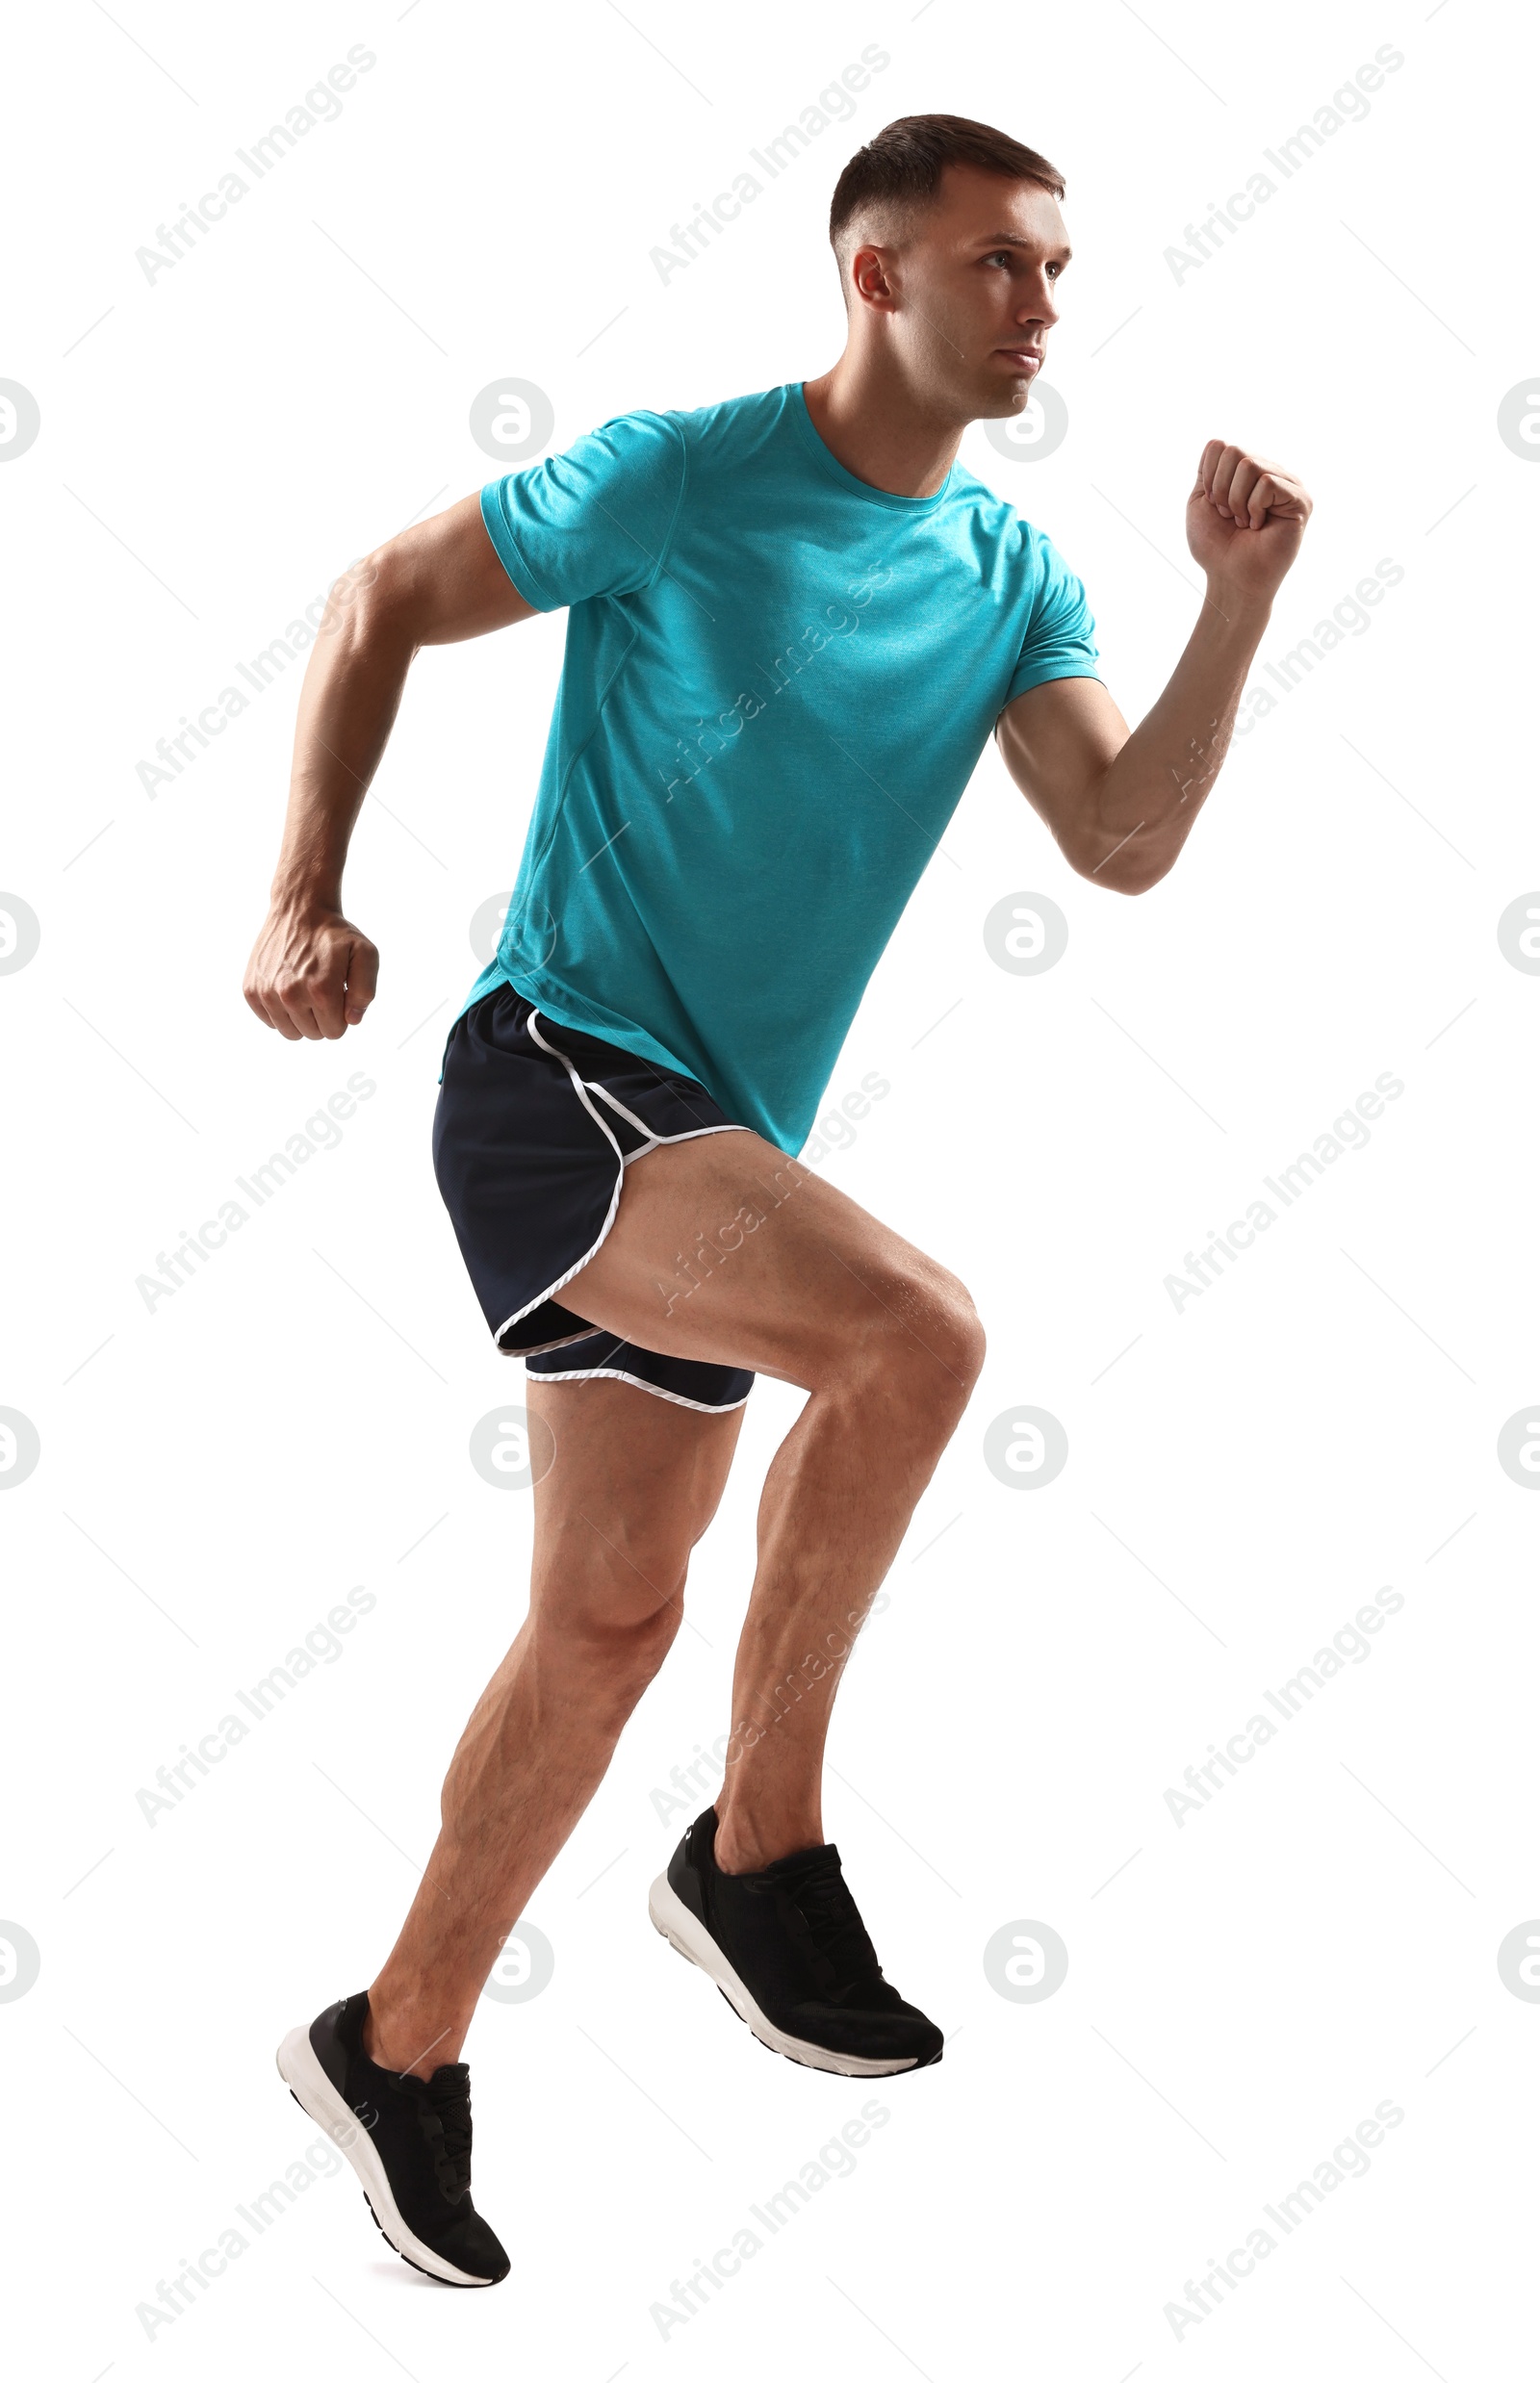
(631, 1485)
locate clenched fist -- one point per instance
(1245, 520)
(311, 974)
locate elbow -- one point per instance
(1136, 878)
(1119, 868)
(1121, 858)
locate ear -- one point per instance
(869, 273)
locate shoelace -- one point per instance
(820, 1909)
(444, 2115)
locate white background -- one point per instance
(1244, 1473)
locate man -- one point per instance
(793, 619)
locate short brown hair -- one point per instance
(900, 171)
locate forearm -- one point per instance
(348, 706)
(311, 973)
(1145, 800)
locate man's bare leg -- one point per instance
(633, 1483)
(789, 1277)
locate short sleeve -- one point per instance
(1061, 636)
(596, 520)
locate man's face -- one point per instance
(975, 289)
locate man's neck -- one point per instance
(872, 425)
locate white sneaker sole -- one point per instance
(674, 1921)
(313, 2089)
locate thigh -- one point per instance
(727, 1251)
(626, 1485)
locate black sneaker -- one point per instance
(408, 2139)
(786, 1947)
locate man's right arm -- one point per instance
(311, 974)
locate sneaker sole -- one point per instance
(319, 2098)
(674, 1921)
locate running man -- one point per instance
(793, 620)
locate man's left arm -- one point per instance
(1120, 803)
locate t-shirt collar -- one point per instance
(797, 408)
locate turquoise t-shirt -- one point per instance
(777, 683)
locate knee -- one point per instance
(956, 1354)
(965, 1337)
(627, 1652)
(940, 1322)
(612, 1608)
(929, 1347)
(602, 1664)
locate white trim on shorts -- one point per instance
(653, 1142)
(604, 1093)
(649, 1140)
(581, 1090)
(613, 1373)
(660, 1142)
(568, 1339)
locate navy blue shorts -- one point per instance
(534, 1129)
